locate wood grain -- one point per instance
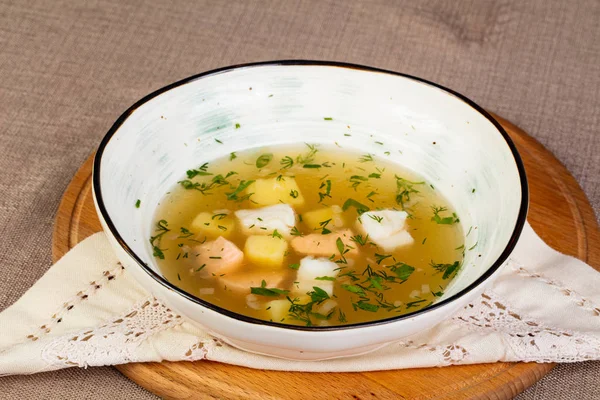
(572, 229)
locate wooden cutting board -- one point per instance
(559, 212)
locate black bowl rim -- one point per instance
(165, 283)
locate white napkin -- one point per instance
(88, 311)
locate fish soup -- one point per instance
(308, 235)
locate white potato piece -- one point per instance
(312, 268)
(386, 228)
(264, 221)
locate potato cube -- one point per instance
(271, 191)
(266, 251)
(213, 224)
(278, 309)
(329, 217)
(316, 219)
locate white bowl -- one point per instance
(445, 137)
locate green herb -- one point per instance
(379, 143)
(380, 257)
(402, 270)
(218, 141)
(325, 278)
(161, 229)
(286, 162)
(295, 232)
(237, 126)
(375, 176)
(276, 234)
(263, 160)
(340, 245)
(294, 194)
(191, 173)
(472, 247)
(376, 218)
(376, 282)
(370, 195)
(303, 312)
(462, 246)
(327, 192)
(200, 268)
(414, 303)
(294, 266)
(424, 240)
(357, 180)
(366, 158)
(449, 270)
(178, 276)
(363, 305)
(263, 290)
(443, 220)
(341, 316)
(360, 208)
(473, 191)
(137, 203)
(404, 189)
(354, 289)
(318, 294)
(204, 188)
(313, 166)
(323, 225)
(351, 275)
(308, 157)
(158, 252)
(241, 187)
(215, 257)
(232, 156)
(359, 239)
(469, 232)
(185, 233)
(328, 119)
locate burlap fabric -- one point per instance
(68, 69)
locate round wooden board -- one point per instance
(559, 212)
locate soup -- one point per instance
(308, 235)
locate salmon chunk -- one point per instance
(325, 245)
(218, 256)
(241, 282)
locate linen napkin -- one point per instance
(88, 311)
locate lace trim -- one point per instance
(530, 340)
(201, 350)
(573, 295)
(113, 341)
(448, 355)
(80, 297)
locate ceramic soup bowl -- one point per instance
(445, 137)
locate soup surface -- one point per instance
(308, 235)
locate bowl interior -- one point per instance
(423, 127)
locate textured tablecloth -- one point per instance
(69, 68)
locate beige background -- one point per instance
(68, 69)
